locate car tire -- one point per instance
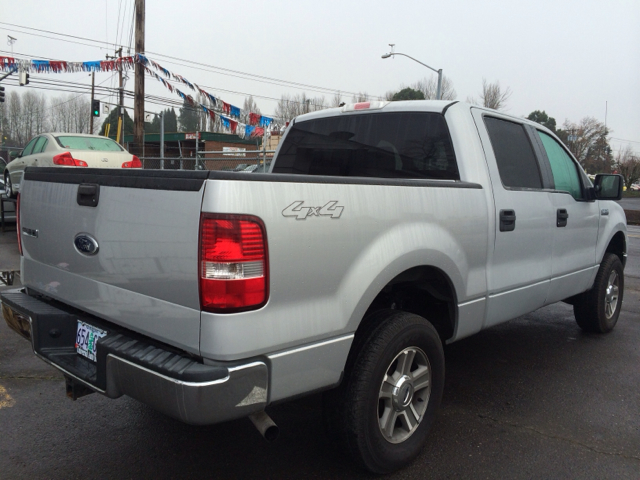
(9, 186)
(598, 309)
(394, 378)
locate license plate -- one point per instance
(86, 339)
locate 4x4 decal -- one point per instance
(331, 209)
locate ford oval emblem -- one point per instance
(86, 244)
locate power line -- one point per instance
(212, 68)
(624, 140)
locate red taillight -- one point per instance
(233, 263)
(19, 232)
(134, 163)
(67, 160)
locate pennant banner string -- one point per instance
(258, 123)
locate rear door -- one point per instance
(35, 158)
(519, 271)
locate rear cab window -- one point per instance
(515, 157)
(414, 145)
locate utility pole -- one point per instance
(93, 86)
(138, 105)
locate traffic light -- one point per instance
(24, 78)
(95, 108)
(1, 94)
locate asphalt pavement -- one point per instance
(630, 203)
(532, 398)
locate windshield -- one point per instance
(101, 144)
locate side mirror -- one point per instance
(608, 187)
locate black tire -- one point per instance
(598, 309)
(9, 186)
(399, 357)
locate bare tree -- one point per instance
(361, 97)
(13, 119)
(291, 106)
(492, 96)
(249, 106)
(429, 88)
(33, 114)
(587, 140)
(71, 114)
(628, 165)
(336, 101)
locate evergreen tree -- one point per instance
(170, 120)
(543, 119)
(408, 94)
(188, 118)
(112, 119)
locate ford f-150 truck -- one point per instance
(381, 232)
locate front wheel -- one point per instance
(392, 389)
(8, 186)
(597, 310)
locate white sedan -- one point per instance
(67, 150)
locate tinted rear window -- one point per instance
(384, 145)
(514, 154)
(88, 143)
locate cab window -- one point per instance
(40, 144)
(29, 148)
(514, 154)
(565, 171)
(384, 145)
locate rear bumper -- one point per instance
(127, 364)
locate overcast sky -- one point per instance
(567, 57)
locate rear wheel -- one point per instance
(392, 388)
(598, 309)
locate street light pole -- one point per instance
(439, 71)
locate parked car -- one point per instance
(67, 150)
(635, 187)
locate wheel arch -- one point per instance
(425, 290)
(618, 246)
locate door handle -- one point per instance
(507, 220)
(561, 217)
(88, 194)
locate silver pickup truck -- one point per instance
(382, 231)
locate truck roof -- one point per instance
(434, 106)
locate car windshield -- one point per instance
(101, 144)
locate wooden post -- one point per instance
(138, 105)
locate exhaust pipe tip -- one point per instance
(265, 425)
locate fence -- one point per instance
(252, 160)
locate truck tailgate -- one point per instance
(144, 274)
